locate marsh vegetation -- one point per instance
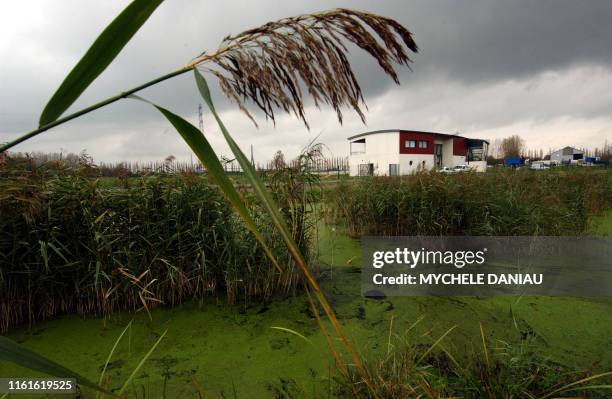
(500, 202)
(221, 307)
(114, 255)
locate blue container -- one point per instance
(517, 161)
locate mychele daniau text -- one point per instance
(459, 279)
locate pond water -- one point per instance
(233, 351)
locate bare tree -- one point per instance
(513, 146)
(278, 161)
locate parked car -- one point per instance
(447, 169)
(462, 168)
(538, 165)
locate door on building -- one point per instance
(438, 155)
(366, 169)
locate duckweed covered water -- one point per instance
(222, 351)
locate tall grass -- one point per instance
(500, 202)
(69, 245)
(419, 365)
(499, 370)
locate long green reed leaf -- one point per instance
(573, 385)
(142, 362)
(99, 56)
(297, 334)
(279, 222)
(205, 153)
(15, 353)
(110, 355)
(485, 350)
(436, 343)
(245, 164)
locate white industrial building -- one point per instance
(566, 155)
(396, 152)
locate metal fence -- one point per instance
(335, 165)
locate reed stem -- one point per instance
(93, 107)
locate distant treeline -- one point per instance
(514, 146)
(170, 165)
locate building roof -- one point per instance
(412, 131)
(567, 148)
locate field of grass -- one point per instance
(233, 351)
(601, 224)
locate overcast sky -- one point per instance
(486, 69)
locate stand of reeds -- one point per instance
(500, 202)
(68, 245)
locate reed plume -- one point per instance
(275, 64)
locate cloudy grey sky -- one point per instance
(540, 69)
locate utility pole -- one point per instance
(200, 125)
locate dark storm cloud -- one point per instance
(479, 41)
(469, 51)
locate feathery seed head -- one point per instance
(275, 64)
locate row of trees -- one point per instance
(514, 146)
(84, 164)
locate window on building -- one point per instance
(410, 163)
(393, 169)
(410, 144)
(475, 154)
(423, 143)
(358, 146)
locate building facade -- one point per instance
(566, 155)
(396, 152)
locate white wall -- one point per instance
(478, 166)
(448, 159)
(417, 163)
(447, 152)
(457, 160)
(557, 156)
(381, 149)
